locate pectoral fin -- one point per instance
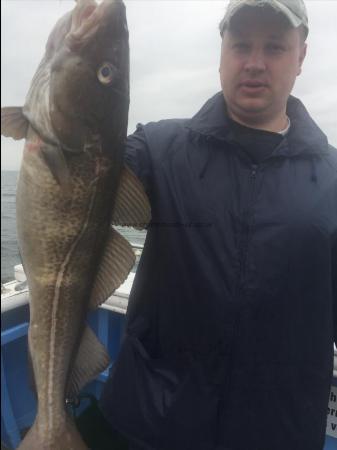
(91, 359)
(132, 207)
(55, 160)
(13, 123)
(116, 263)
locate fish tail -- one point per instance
(66, 438)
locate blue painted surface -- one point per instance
(8, 423)
(330, 443)
(14, 333)
(18, 405)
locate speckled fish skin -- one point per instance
(62, 272)
(65, 205)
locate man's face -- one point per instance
(260, 59)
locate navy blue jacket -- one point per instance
(233, 312)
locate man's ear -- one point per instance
(303, 52)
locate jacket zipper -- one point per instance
(243, 250)
(249, 222)
(246, 232)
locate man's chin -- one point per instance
(252, 105)
(249, 112)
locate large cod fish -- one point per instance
(72, 186)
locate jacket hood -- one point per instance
(304, 136)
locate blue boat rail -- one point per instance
(18, 404)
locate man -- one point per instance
(233, 312)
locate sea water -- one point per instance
(9, 248)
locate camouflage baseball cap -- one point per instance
(294, 10)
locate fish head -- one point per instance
(86, 74)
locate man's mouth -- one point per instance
(253, 86)
(253, 83)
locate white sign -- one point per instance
(331, 429)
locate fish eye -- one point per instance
(106, 73)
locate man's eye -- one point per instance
(241, 46)
(275, 48)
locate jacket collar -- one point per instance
(304, 136)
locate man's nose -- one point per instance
(255, 61)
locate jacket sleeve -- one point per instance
(137, 157)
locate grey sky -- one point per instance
(175, 48)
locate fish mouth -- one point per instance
(89, 16)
